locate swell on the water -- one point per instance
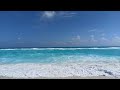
(60, 59)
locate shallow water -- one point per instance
(58, 55)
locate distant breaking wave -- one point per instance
(60, 48)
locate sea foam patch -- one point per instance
(62, 48)
(29, 70)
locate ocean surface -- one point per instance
(60, 62)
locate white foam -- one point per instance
(73, 48)
(60, 48)
(60, 70)
(7, 49)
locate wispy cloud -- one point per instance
(76, 38)
(116, 38)
(103, 38)
(73, 41)
(67, 13)
(52, 14)
(92, 38)
(19, 35)
(93, 30)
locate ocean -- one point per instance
(60, 62)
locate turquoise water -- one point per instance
(58, 55)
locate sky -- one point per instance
(59, 28)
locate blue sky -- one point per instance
(59, 28)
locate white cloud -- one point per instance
(48, 14)
(52, 14)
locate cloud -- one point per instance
(73, 41)
(19, 35)
(93, 30)
(116, 38)
(76, 38)
(104, 39)
(67, 13)
(52, 14)
(48, 14)
(92, 38)
(96, 31)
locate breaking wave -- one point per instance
(61, 48)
